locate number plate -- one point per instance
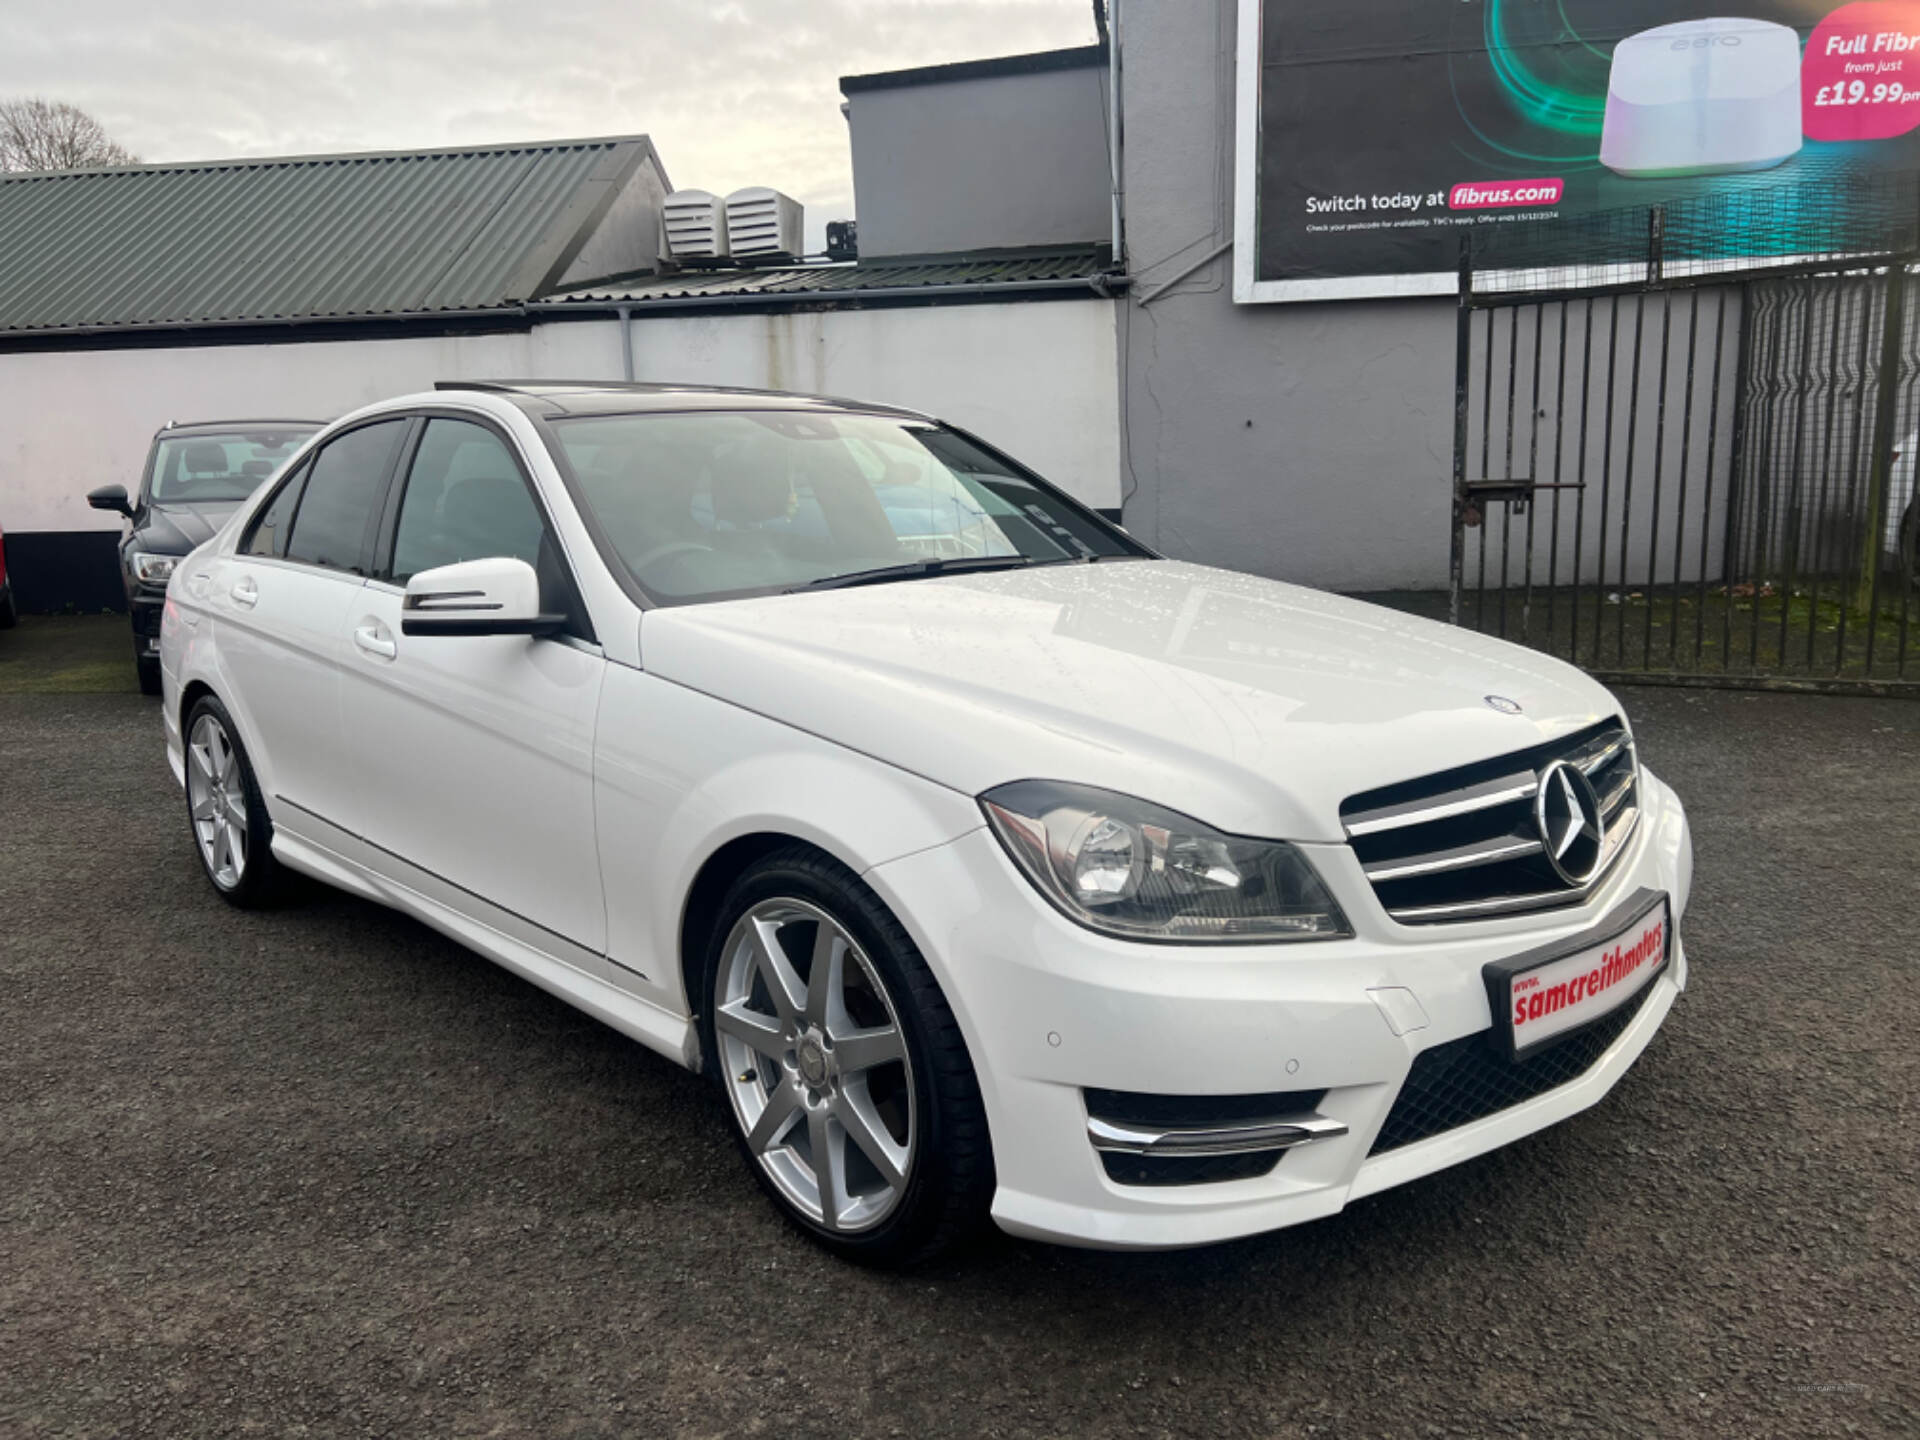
(1547, 994)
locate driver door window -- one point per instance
(465, 500)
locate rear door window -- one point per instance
(268, 533)
(344, 487)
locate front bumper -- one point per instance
(145, 607)
(1050, 1009)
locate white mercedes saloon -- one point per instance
(988, 863)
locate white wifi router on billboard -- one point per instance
(1703, 97)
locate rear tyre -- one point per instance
(149, 671)
(226, 815)
(852, 1095)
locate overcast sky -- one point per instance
(733, 92)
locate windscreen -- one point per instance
(704, 505)
(220, 467)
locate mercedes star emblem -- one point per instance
(1567, 813)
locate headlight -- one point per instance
(153, 569)
(1128, 868)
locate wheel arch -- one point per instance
(190, 694)
(701, 909)
(201, 673)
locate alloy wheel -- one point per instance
(816, 1065)
(217, 797)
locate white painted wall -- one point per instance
(1036, 379)
(71, 420)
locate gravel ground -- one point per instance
(319, 1171)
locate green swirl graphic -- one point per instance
(1542, 100)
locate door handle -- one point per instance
(375, 641)
(245, 592)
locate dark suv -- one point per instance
(196, 476)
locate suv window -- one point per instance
(219, 467)
(465, 500)
(343, 485)
(268, 535)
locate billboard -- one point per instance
(1372, 133)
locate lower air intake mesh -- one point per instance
(1469, 1079)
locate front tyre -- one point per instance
(850, 1087)
(232, 834)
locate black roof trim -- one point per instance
(501, 320)
(1038, 63)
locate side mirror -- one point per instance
(111, 497)
(497, 596)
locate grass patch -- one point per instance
(1739, 631)
(68, 655)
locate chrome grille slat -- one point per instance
(1596, 762)
(1466, 843)
(1510, 847)
(1395, 817)
(1515, 904)
(1614, 798)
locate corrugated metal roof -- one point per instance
(313, 237)
(820, 282)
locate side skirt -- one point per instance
(588, 982)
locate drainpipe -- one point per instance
(1113, 129)
(626, 339)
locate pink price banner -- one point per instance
(1490, 194)
(1860, 76)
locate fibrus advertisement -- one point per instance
(1374, 131)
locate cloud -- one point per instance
(733, 92)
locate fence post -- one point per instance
(1656, 243)
(1462, 372)
(1885, 417)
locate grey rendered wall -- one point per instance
(1311, 442)
(993, 163)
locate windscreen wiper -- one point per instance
(915, 570)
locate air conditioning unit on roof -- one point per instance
(763, 224)
(695, 222)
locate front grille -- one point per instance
(1464, 844)
(1469, 1079)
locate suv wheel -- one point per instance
(228, 818)
(851, 1091)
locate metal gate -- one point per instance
(1692, 472)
